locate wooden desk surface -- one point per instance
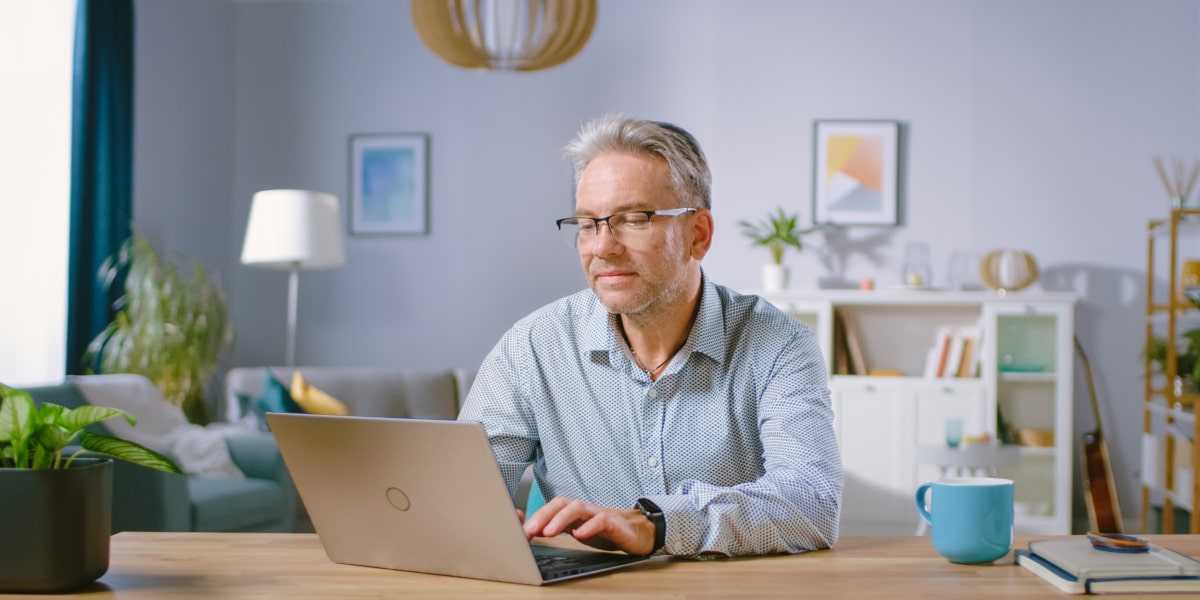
(293, 565)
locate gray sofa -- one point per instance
(148, 500)
(368, 392)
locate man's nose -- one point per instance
(605, 243)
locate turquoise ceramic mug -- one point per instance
(970, 518)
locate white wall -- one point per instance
(1029, 124)
(183, 131)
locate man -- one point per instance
(661, 412)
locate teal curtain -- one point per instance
(101, 165)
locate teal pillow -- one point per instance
(275, 397)
(536, 500)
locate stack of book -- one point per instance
(1075, 566)
(955, 353)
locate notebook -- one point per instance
(418, 495)
(1074, 566)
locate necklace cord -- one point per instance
(655, 369)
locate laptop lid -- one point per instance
(408, 494)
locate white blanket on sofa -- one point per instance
(161, 426)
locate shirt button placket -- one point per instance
(653, 412)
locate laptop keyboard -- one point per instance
(556, 563)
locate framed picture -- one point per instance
(389, 184)
(855, 166)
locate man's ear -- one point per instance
(702, 233)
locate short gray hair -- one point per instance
(690, 176)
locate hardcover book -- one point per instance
(1074, 566)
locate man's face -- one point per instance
(642, 274)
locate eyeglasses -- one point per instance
(628, 228)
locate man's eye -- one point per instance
(587, 227)
(635, 221)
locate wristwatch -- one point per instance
(655, 514)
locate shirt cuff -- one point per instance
(685, 525)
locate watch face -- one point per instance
(649, 507)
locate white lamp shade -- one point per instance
(294, 227)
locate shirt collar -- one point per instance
(708, 332)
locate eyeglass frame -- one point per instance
(650, 214)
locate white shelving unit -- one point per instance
(882, 420)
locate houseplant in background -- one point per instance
(1187, 360)
(55, 501)
(169, 327)
(777, 232)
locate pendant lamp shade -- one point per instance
(504, 35)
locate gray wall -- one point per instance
(1029, 124)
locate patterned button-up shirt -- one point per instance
(734, 441)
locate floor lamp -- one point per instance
(293, 230)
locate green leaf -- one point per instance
(18, 421)
(78, 418)
(128, 451)
(777, 233)
(52, 437)
(16, 416)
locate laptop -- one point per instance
(418, 495)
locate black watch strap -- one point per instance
(655, 514)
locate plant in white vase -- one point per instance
(777, 232)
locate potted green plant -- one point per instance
(55, 498)
(777, 232)
(171, 327)
(1187, 358)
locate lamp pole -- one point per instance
(293, 293)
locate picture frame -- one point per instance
(389, 184)
(856, 168)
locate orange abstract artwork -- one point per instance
(854, 172)
(857, 173)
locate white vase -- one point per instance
(774, 277)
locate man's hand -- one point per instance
(597, 526)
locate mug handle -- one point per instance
(921, 492)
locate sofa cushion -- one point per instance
(161, 426)
(275, 397)
(313, 400)
(220, 504)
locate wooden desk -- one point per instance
(293, 565)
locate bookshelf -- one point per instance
(1169, 424)
(1024, 372)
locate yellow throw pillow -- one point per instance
(314, 401)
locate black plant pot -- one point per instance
(56, 526)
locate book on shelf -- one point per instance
(935, 364)
(841, 356)
(954, 354)
(968, 363)
(1074, 566)
(858, 362)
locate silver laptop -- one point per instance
(418, 495)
